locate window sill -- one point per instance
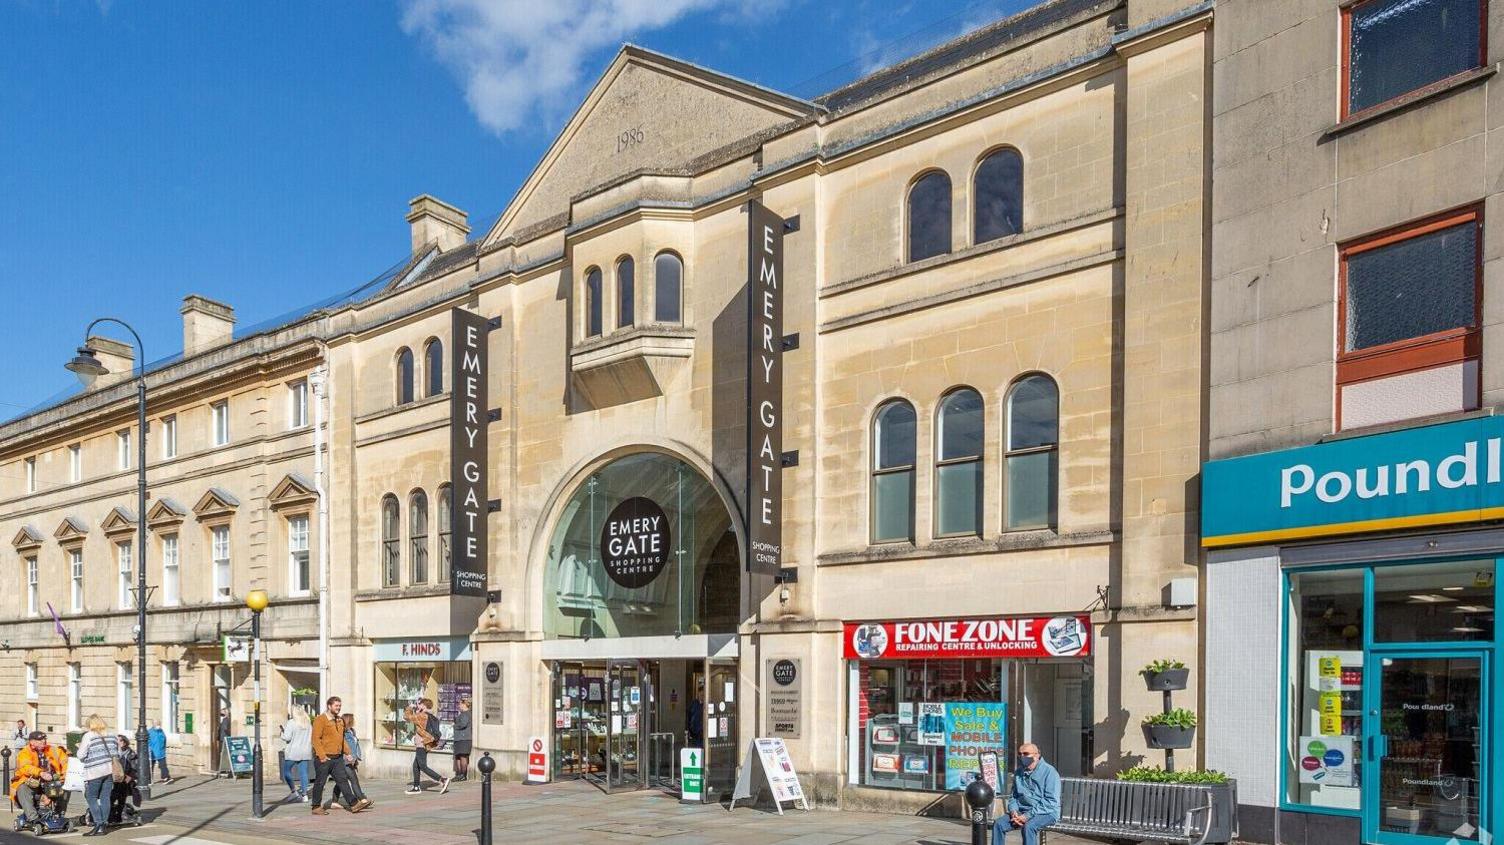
(408, 406)
(1404, 101)
(963, 547)
(399, 592)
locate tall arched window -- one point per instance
(893, 472)
(417, 537)
(929, 215)
(626, 292)
(1031, 462)
(958, 464)
(593, 302)
(998, 194)
(404, 376)
(391, 551)
(433, 367)
(668, 288)
(445, 529)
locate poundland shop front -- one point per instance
(1353, 685)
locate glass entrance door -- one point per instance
(720, 729)
(625, 727)
(1426, 734)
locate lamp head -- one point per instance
(86, 366)
(256, 600)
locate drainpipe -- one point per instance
(320, 382)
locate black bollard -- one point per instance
(979, 797)
(486, 766)
(5, 755)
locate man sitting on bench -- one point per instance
(1035, 802)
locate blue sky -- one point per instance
(262, 154)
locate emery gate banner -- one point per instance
(468, 418)
(1056, 636)
(1442, 474)
(764, 389)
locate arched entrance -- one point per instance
(642, 592)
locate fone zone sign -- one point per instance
(764, 390)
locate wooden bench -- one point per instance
(1161, 812)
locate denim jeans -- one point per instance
(97, 794)
(1030, 828)
(299, 766)
(162, 763)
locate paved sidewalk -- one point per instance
(205, 811)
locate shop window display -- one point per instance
(1325, 688)
(401, 684)
(908, 724)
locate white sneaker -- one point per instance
(414, 790)
(444, 785)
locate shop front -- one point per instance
(407, 670)
(928, 696)
(1364, 572)
(642, 596)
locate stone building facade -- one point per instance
(993, 304)
(1354, 337)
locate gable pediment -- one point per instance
(216, 502)
(647, 112)
(119, 521)
(165, 512)
(27, 538)
(294, 489)
(71, 528)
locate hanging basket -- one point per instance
(1169, 736)
(1169, 679)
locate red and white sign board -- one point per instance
(998, 636)
(537, 761)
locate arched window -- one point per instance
(893, 472)
(958, 464)
(1030, 462)
(433, 367)
(998, 194)
(391, 551)
(593, 302)
(404, 376)
(445, 529)
(668, 288)
(417, 537)
(626, 292)
(929, 215)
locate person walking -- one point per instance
(425, 738)
(224, 734)
(297, 751)
(332, 754)
(462, 741)
(352, 766)
(156, 751)
(100, 753)
(125, 791)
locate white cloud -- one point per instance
(521, 61)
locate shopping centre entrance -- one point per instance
(620, 724)
(642, 600)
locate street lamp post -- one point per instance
(87, 367)
(256, 600)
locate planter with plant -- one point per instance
(1224, 794)
(1171, 729)
(1163, 675)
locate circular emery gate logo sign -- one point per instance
(784, 672)
(635, 542)
(493, 672)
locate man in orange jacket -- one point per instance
(38, 762)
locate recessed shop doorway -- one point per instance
(620, 724)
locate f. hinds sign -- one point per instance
(1433, 475)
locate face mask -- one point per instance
(1025, 761)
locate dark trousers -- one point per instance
(353, 776)
(162, 764)
(420, 767)
(333, 767)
